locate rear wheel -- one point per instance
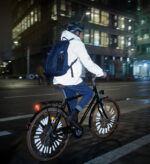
(101, 126)
(45, 139)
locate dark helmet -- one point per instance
(73, 27)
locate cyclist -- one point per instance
(75, 85)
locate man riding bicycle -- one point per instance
(73, 85)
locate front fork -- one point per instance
(101, 103)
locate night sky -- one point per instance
(5, 29)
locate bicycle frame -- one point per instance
(49, 131)
(97, 98)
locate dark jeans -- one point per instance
(82, 89)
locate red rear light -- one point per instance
(37, 107)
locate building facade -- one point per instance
(108, 33)
(142, 61)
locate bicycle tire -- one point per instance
(43, 144)
(101, 127)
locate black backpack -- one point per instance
(57, 60)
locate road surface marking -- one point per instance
(121, 151)
(12, 97)
(4, 133)
(15, 117)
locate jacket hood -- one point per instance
(68, 35)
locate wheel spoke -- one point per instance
(48, 136)
(49, 120)
(57, 121)
(101, 125)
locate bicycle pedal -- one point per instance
(78, 133)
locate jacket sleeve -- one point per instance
(86, 60)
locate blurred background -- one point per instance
(116, 34)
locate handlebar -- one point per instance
(101, 92)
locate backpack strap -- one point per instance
(67, 39)
(71, 67)
(71, 39)
(74, 60)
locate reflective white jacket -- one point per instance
(77, 50)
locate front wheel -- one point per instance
(45, 139)
(101, 126)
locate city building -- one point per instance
(108, 35)
(142, 31)
(5, 39)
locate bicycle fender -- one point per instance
(44, 105)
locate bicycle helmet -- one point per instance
(73, 27)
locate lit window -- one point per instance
(13, 34)
(104, 18)
(86, 36)
(115, 24)
(35, 15)
(115, 17)
(123, 26)
(129, 20)
(22, 25)
(129, 43)
(92, 37)
(129, 28)
(25, 23)
(63, 5)
(29, 23)
(63, 8)
(121, 23)
(54, 11)
(96, 38)
(32, 13)
(95, 15)
(121, 42)
(18, 29)
(142, 21)
(139, 37)
(32, 17)
(148, 49)
(104, 39)
(146, 36)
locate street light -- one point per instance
(87, 13)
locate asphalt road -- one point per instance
(16, 107)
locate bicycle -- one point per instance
(50, 128)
